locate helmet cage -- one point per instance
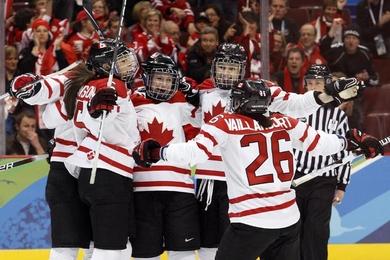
(126, 65)
(101, 55)
(158, 92)
(233, 72)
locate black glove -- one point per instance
(366, 144)
(25, 86)
(104, 99)
(147, 152)
(344, 89)
(185, 87)
(192, 95)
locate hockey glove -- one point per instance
(344, 89)
(25, 86)
(147, 152)
(363, 143)
(192, 95)
(104, 99)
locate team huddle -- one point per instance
(240, 134)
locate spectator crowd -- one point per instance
(49, 35)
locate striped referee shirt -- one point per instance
(332, 121)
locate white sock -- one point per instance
(181, 255)
(126, 253)
(88, 252)
(207, 253)
(63, 253)
(101, 254)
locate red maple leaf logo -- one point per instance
(156, 132)
(216, 110)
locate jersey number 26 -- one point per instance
(277, 158)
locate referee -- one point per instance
(315, 197)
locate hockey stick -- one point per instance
(71, 66)
(4, 96)
(11, 165)
(109, 85)
(87, 6)
(307, 177)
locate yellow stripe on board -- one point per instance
(37, 254)
(336, 252)
(359, 252)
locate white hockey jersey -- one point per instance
(52, 89)
(54, 115)
(213, 102)
(260, 163)
(164, 122)
(120, 133)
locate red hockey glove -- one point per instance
(104, 99)
(363, 143)
(147, 152)
(344, 89)
(25, 86)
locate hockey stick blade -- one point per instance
(11, 165)
(87, 6)
(4, 96)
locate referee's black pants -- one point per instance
(314, 199)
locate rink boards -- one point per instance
(360, 226)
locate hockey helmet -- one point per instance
(318, 71)
(161, 77)
(101, 55)
(228, 66)
(251, 98)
